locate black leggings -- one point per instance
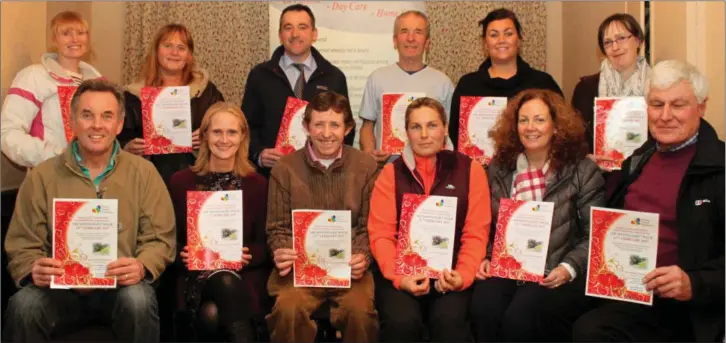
(224, 301)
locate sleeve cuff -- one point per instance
(26, 280)
(467, 281)
(397, 281)
(573, 273)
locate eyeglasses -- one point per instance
(619, 39)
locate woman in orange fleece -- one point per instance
(426, 168)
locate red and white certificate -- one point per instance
(291, 135)
(322, 240)
(623, 249)
(522, 239)
(85, 241)
(621, 126)
(65, 95)
(166, 116)
(477, 115)
(393, 126)
(214, 230)
(427, 230)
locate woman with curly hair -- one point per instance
(540, 156)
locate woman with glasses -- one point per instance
(622, 72)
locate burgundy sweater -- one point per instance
(656, 191)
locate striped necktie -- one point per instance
(300, 83)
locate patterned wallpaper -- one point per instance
(232, 37)
(456, 47)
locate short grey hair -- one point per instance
(667, 73)
(416, 13)
(98, 85)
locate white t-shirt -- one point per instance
(393, 79)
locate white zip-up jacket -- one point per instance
(31, 126)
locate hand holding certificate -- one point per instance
(623, 250)
(621, 126)
(167, 120)
(291, 135)
(85, 241)
(214, 230)
(426, 235)
(322, 240)
(477, 116)
(521, 240)
(393, 116)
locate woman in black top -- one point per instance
(503, 73)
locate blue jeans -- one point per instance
(41, 314)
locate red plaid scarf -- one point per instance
(529, 183)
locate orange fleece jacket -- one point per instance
(382, 225)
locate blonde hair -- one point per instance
(242, 165)
(150, 74)
(67, 18)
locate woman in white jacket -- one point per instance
(31, 125)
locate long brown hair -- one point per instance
(568, 137)
(150, 74)
(242, 165)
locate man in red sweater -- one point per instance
(679, 174)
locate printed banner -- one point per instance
(354, 36)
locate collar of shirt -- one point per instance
(315, 158)
(286, 63)
(111, 162)
(688, 142)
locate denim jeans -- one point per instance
(41, 314)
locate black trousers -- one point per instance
(559, 308)
(567, 314)
(225, 304)
(505, 310)
(616, 321)
(402, 314)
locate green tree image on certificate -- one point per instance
(229, 234)
(440, 242)
(638, 262)
(336, 253)
(101, 249)
(534, 245)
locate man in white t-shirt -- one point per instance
(411, 37)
